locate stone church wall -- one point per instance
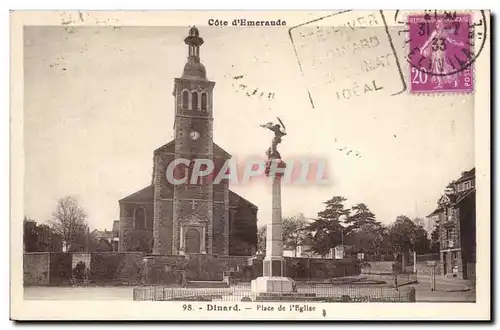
(219, 240)
(163, 226)
(132, 239)
(243, 231)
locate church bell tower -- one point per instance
(193, 131)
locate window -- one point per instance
(185, 100)
(204, 101)
(473, 182)
(467, 185)
(459, 187)
(194, 100)
(140, 218)
(454, 255)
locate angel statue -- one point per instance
(272, 152)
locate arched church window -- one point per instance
(204, 101)
(140, 218)
(185, 100)
(194, 100)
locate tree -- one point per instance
(435, 247)
(294, 231)
(261, 239)
(363, 231)
(30, 235)
(406, 236)
(360, 218)
(402, 234)
(326, 231)
(369, 238)
(40, 237)
(421, 243)
(69, 222)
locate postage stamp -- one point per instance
(440, 53)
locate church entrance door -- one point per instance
(193, 241)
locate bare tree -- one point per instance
(69, 221)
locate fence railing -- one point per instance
(317, 293)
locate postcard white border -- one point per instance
(121, 310)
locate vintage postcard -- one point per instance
(279, 165)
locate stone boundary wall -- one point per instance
(36, 268)
(133, 268)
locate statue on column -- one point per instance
(272, 152)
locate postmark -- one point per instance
(347, 56)
(441, 49)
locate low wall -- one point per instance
(320, 269)
(171, 269)
(164, 269)
(377, 267)
(105, 268)
(60, 268)
(36, 268)
(385, 267)
(130, 268)
(423, 269)
(116, 268)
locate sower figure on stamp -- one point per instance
(272, 152)
(435, 47)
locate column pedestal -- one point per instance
(272, 266)
(273, 284)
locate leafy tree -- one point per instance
(368, 239)
(363, 231)
(69, 222)
(40, 237)
(421, 243)
(30, 235)
(406, 236)
(402, 234)
(326, 231)
(435, 247)
(360, 218)
(294, 231)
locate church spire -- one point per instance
(194, 42)
(193, 68)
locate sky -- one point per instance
(98, 101)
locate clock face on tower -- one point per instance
(194, 135)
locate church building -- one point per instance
(205, 217)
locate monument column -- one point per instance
(273, 262)
(273, 280)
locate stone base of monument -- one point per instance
(278, 288)
(273, 284)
